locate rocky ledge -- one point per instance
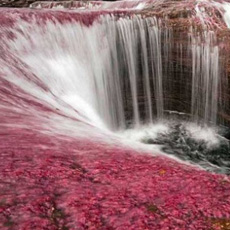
(16, 3)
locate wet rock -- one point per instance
(17, 3)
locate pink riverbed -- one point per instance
(50, 182)
(60, 182)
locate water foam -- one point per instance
(184, 142)
(226, 16)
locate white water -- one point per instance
(226, 6)
(112, 73)
(150, 131)
(207, 135)
(205, 78)
(85, 67)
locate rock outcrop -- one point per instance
(17, 3)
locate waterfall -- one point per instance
(116, 71)
(205, 78)
(141, 51)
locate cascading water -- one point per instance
(115, 73)
(205, 79)
(91, 76)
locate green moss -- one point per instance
(8, 223)
(153, 209)
(58, 214)
(2, 202)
